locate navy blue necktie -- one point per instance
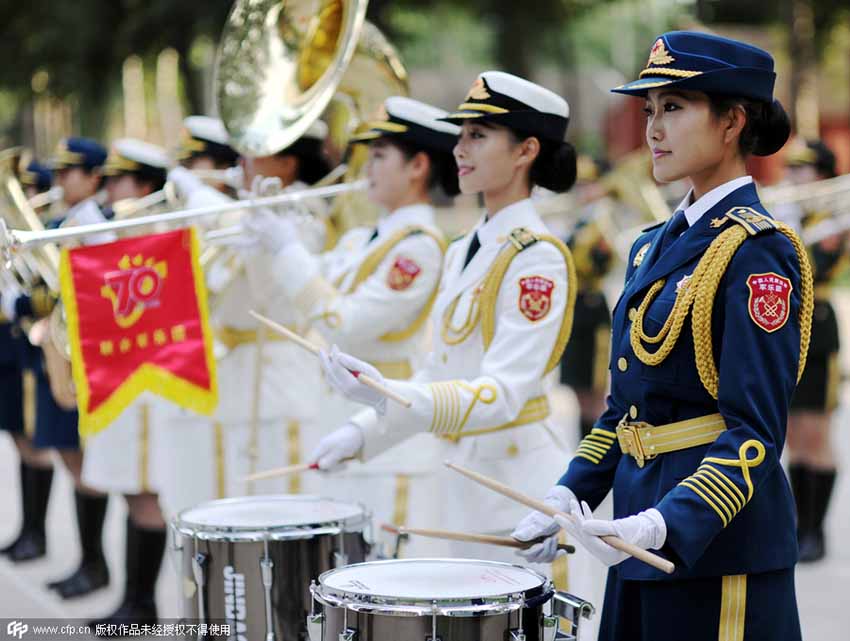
(678, 224)
(474, 246)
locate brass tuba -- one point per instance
(49, 333)
(282, 64)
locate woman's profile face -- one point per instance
(486, 157)
(389, 174)
(683, 134)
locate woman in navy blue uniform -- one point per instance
(811, 458)
(77, 164)
(709, 338)
(17, 383)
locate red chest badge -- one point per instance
(404, 271)
(770, 300)
(535, 297)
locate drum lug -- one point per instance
(573, 609)
(199, 561)
(550, 626)
(340, 557)
(175, 548)
(349, 634)
(266, 567)
(315, 623)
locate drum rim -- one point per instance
(356, 523)
(422, 606)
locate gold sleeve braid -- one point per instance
(521, 239)
(699, 292)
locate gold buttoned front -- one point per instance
(633, 412)
(622, 364)
(445, 358)
(632, 313)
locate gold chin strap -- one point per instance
(699, 293)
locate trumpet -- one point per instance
(13, 239)
(231, 177)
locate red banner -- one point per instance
(138, 320)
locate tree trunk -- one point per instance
(804, 91)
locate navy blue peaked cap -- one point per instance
(704, 62)
(79, 152)
(36, 175)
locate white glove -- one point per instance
(342, 370)
(8, 301)
(270, 231)
(185, 181)
(337, 446)
(537, 524)
(646, 530)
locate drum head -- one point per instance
(428, 580)
(274, 514)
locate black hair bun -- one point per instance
(772, 130)
(555, 167)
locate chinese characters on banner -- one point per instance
(138, 321)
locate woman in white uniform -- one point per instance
(118, 458)
(372, 294)
(502, 318)
(265, 403)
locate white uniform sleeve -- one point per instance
(510, 371)
(390, 299)
(89, 213)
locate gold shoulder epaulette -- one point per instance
(523, 238)
(751, 220)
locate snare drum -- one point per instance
(248, 562)
(440, 600)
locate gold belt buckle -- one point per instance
(630, 442)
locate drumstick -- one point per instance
(504, 541)
(615, 542)
(281, 471)
(368, 381)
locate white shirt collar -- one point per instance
(89, 205)
(519, 214)
(419, 214)
(694, 211)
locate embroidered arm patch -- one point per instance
(404, 271)
(535, 297)
(770, 300)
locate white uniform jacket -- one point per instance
(469, 396)
(371, 294)
(205, 458)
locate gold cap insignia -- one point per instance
(382, 114)
(659, 54)
(478, 91)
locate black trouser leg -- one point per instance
(35, 494)
(93, 572)
(145, 549)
